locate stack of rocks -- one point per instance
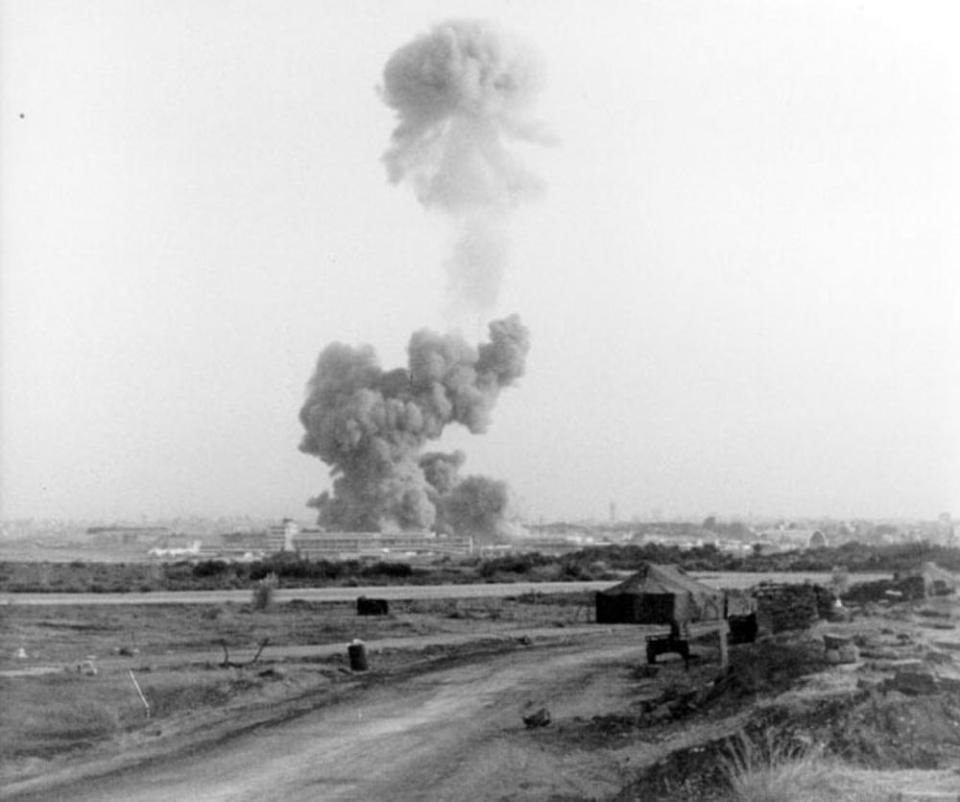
(840, 649)
(909, 588)
(826, 601)
(783, 607)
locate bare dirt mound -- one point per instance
(790, 706)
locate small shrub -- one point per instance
(210, 568)
(264, 591)
(839, 579)
(388, 569)
(789, 771)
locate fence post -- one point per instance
(143, 698)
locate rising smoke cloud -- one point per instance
(461, 92)
(370, 425)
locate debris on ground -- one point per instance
(539, 718)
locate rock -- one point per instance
(880, 654)
(949, 684)
(848, 653)
(940, 658)
(834, 641)
(931, 613)
(540, 718)
(914, 682)
(660, 713)
(833, 656)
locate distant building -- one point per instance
(280, 536)
(785, 539)
(817, 540)
(177, 550)
(315, 544)
(945, 529)
(127, 535)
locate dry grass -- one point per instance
(264, 592)
(778, 772)
(41, 716)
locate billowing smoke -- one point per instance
(475, 505)
(370, 425)
(442, 470)
(480, 507)
(461, 92)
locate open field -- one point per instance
(451, 718)
(70, 720)
(731, 580)
(443, 704)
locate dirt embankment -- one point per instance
(893, 713)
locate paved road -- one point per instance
(338, 594)
(729, 579)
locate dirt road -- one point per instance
(455, 733)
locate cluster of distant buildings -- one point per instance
(739, 538)
(286, 536)
(253, 540)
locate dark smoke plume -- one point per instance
(461, 92)
(479, 507)
(442, 470)
(475, 505)
(370, 425)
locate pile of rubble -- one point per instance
(785, 607)
(840, 649)
(910, 588)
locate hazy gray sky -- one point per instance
(742, 283)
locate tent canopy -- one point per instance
(659, 594)
(937, 580)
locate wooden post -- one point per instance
(722, 630)
(143, 698)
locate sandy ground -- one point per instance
(456, 733)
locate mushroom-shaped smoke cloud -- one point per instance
(460, 92)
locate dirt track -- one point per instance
(455, 733)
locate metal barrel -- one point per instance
(357, 652)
